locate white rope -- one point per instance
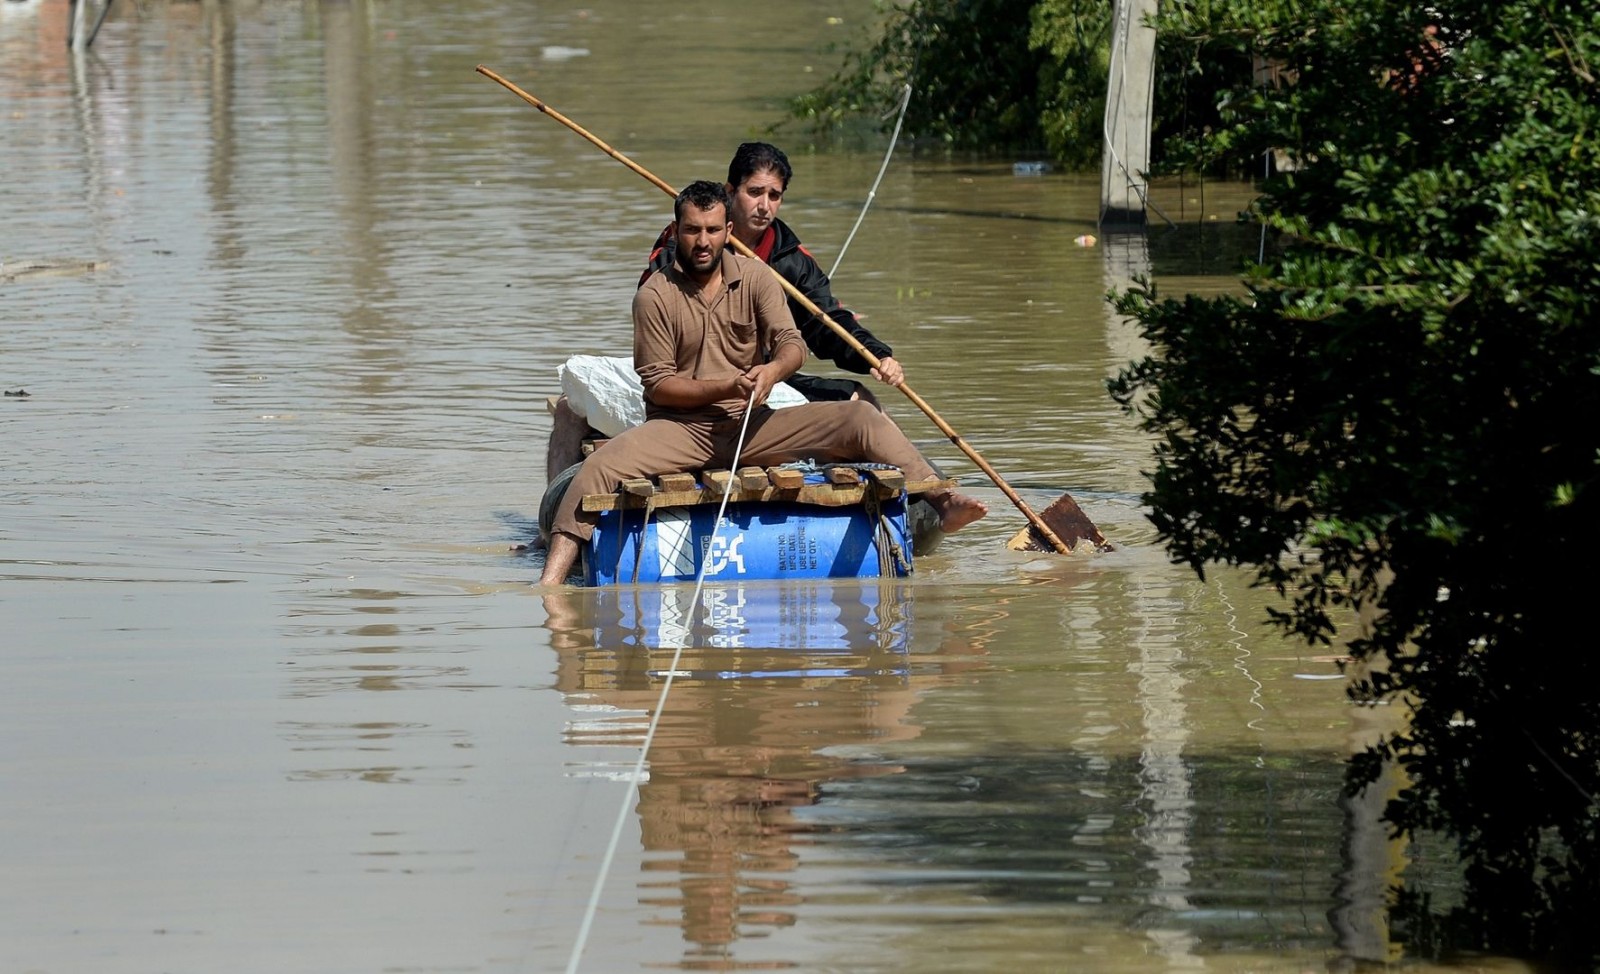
(905, 102)
(655, 719)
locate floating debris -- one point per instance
(21, 270)
(18, 394)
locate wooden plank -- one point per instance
(786, 478)
(752, 478)
(589, 446)
(550, 404)
(822, 495)
(892, 479)
(674, 482)
(715, 480)
(843, 475)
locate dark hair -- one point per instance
(753, 157)
(703, 194)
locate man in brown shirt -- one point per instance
(712, 335)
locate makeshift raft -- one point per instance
(834, 521)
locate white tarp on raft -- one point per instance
(607, 392)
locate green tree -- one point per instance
(996, 75)
(1398, 416)
(983, 87)
(1075, 37)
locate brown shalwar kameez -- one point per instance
(678, 332)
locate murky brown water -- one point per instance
(275, 694)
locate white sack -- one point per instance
(607, 392)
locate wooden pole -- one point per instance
(805, 302)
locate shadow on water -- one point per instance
(1219, 250)
(1018, 215)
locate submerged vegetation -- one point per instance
(1397, 416)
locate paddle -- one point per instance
(1067, 515)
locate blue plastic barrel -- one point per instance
(771, 540)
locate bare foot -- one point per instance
(537, 544)
(955, 510)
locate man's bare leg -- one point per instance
(558, 563)
(955, 510)
(567, 431)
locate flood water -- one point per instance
(286, 283)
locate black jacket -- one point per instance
(799, 268)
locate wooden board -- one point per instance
(1069, 523)
(823, 495)
(786, 478)
(892, 479)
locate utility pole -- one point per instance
(1129, 90)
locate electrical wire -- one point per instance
(905, 102)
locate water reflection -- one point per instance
(1166, 792)
(1373, 859)
(1370, 860)
(228, 242)
(363, 255)
(774, 681)
(766, 753)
